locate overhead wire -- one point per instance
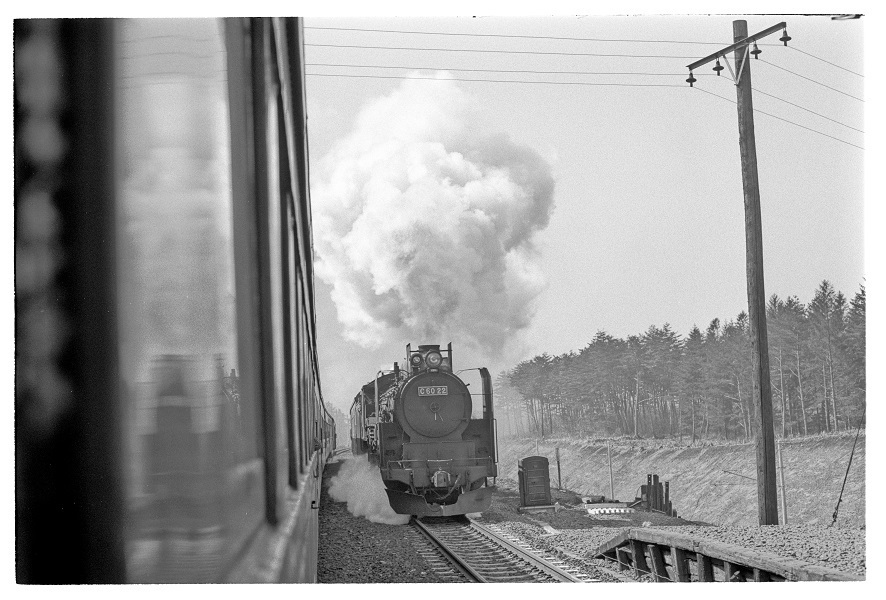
(528, 71)
(810, 79)
(564, 38)
(585, 83)
(539, 72)
(807, 110)
(489, 51)
(507, 35)
(542, 53)
(792, 47)
(781, 119)
(543, 72)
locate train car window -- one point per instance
(305, 400)
(193, 464)
(292, 259)
(276, 270)
(300, 345)
(292, 339)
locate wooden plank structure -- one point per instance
(671, 556)
(655, 495)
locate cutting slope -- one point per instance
(715, 484)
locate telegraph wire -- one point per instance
(514, 36)
(533, 72)
(823, 60)
(540, 53)
(564, 38)
(487, 51)
(498, 70)
(812, 80)
(782, 119)
(585, 83)
(807, 110)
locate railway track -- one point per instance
(671, 556)
(478, 554)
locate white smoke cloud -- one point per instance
(359, 484)
(424, 228)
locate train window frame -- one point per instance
(289, 275)
(291, 344)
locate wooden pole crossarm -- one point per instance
(745, 42)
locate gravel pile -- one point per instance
(839, 548)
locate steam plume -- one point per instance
(424, 227)
(359, 484)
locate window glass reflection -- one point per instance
(194, 484)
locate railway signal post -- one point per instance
(767, 491)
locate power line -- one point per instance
(812, 80)
(515, 36)
(807, 110)
(533, 72)
(585, 83)
(781, 119)
(497, 70)
(486, 51)
(825, 61)
(564, 38)
(344, 75)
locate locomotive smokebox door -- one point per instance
(535, 481)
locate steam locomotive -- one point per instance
(435, 452)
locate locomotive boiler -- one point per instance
(434, 451)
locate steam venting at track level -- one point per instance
(358, 483)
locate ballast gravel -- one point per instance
(354, 550)
(580, 534)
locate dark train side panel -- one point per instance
(169, 417)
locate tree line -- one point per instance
(661, 385)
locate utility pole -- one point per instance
(767, 489)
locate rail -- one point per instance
(454, 559)
(671, 556)
(539, 563)
(484, 556)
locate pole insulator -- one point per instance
(756, 51)
(718, 67)
(785, 38)
(691, 79)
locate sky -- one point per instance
(645, 223)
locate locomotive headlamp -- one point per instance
(434, 359)
(415, 360)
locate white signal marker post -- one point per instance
(767, 489)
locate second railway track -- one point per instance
(481, 555)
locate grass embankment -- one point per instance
(711, 483)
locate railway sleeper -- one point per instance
(667, 556)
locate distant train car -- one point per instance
(416, 424)
(169, 420)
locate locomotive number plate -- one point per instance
(433, 390)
